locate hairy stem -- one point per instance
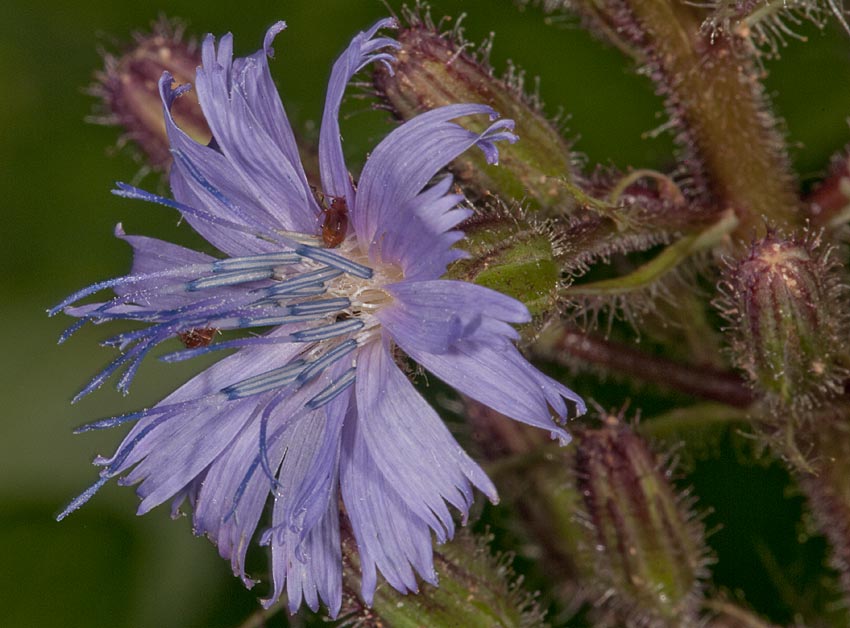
(733, 154)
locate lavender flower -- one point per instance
(315, 408)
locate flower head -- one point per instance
(313, 411)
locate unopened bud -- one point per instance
(476, 590)
(786, 308)
(510, 256)
(645, 553)
(434, 70)
(127, 87)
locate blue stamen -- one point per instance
(70, 331)
(128, 191)
(265, 381)
(82, 498)
(323, 306)
(243, 485)
(126, 378)
(179, 356)
(335, 354)
(326, 256)
(331, 392)
(115, 421)
(98, 380)
(230, 279)
(264, 451)
(240, 490)
(294, 239)
(117, 281)
(304, 280)
(282, 319)
(267, 260)
(193, 172)
(309, 291)
(328, 331)
(121, 455)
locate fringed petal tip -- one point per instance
(387, 22)
(274, 30)
(169, 94)
(562, 437)
(499, 131)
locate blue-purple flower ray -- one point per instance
(313, 410)
(188, 493)
(432, 214)
(481, 370)
(264, 167)
(255, 81)
(410, 444)
(335, 178)
(429, 142)
(443, 312)
(320, 576)
(390, 537)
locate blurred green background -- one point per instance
(103, 566)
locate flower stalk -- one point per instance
(733, 156)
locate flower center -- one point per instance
(365, 294)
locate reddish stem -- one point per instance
(707, 382)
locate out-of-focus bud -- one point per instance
(127, 88)
(725, 614)
(535, 480)
(510, 256)
(829, 202)
(433, 69)
(827, 483)
(476, 591)
(786, 305)
(645, 555)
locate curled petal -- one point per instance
(364, 49)
(403, 163)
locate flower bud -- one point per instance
(127, 87)
(784, 300)
(510, 256)
(645, 555)
(476, 591)
(434, 70)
